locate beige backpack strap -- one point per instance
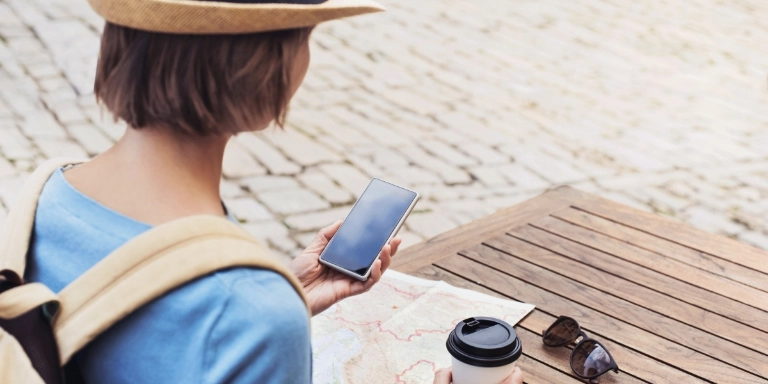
(15, 366)
(14, 240)
(24, 298)
(150, 265)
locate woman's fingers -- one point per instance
(386, 257)
(395, 244)
(330, 230)
(516, 378)
(443, 376)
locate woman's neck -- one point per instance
(155, 176)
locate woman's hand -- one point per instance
(444, 376)
(324, 286)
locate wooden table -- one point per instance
(671, 303)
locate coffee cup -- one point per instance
(484, 350)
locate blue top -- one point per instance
(240, 325)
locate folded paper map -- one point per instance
(396, 332)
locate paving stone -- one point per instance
(680, 189)
(325, 187)
(60, 148)
(411, 177)
(501, 202)
(53, 84)
(622, 198)
(3, 215)
(290, 201)
(749, 220)
(300, 148)
(42, 71)
(414, 102)
(268, 156)
(661, 198)
(26, 166)
(315, 221)
(239, 163)
(552, 169)
(272, 234)
(304, 239)
(42, 124)
(258, 184)
(448, 153)
(246, 209)
(486, 155)
(347, 176)
(748, 193)
(386, 157)
(69, 114)
(14, 145)
(6, 169)
(229, 189)
(437, 193)
(755, 180)
(429, 224)
(449, 173)
(10, 189)
(472, 209)
(366, 166)
(92, 140)
(711, 222)
(758, 239)
(113, 130)
(408, 239)
(488, 176)
(521, 176)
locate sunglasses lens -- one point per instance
(561, 332)
(590, 359)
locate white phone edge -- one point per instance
(392, 236)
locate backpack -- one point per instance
(40, 331)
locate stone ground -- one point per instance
(477, 105)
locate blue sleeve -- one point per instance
(261, 335)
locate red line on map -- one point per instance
(400, 376)
(378, 324)
(402, 291)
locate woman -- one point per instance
(186, 77)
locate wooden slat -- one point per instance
(624, 313)
(535, 372)
(630, 362)
(631, 292)
(448, 243)
(659, 263)
(712, 264)
(721, 246)
(563, 245)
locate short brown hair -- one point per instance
(197, 84)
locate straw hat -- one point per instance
(227, 16)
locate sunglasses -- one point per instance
(589, 359)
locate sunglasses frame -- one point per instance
(584, 337)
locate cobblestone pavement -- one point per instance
(477, 105)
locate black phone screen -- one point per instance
(368, 226)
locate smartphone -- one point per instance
(373, 221)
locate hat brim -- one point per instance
(216, 17)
